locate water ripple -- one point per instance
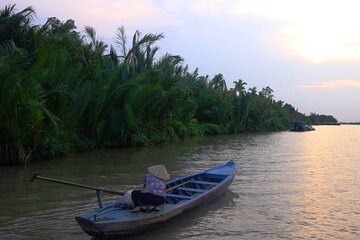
(288, 186)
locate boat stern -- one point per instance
(89, 227)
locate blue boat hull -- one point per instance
(186, 193)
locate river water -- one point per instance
(288, 186)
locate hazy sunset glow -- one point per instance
(317, 31)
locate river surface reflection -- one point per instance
(288, 186)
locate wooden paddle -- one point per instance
(36, 176)
(98, 190)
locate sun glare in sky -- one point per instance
(316, 30)
(319, 42)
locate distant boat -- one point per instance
(299, 126)
(183, 194)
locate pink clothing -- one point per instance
(154, 185)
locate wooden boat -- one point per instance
(185, 193)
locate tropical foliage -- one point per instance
(314, 118)
(62, 91)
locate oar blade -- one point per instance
(34, 176)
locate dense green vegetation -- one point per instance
(62, 92)
(321, 119)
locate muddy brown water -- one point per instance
(288, 186)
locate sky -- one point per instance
(307, 51)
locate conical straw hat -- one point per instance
(159, 171)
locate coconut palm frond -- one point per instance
(95, 44)
(120, 40)
(7, 11)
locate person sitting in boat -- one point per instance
(154, 191)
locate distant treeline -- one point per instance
(63, 91)
(317, 119)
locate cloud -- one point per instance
(333, 84)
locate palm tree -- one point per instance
(218, 83)
(121, 41)
(141, 54)
(238, 93)
(97, 46)
(168, 69)
(239, 87)
(23, 110)
(15, 28)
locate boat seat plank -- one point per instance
(178, 196)
(205, 183)
(191, 189)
